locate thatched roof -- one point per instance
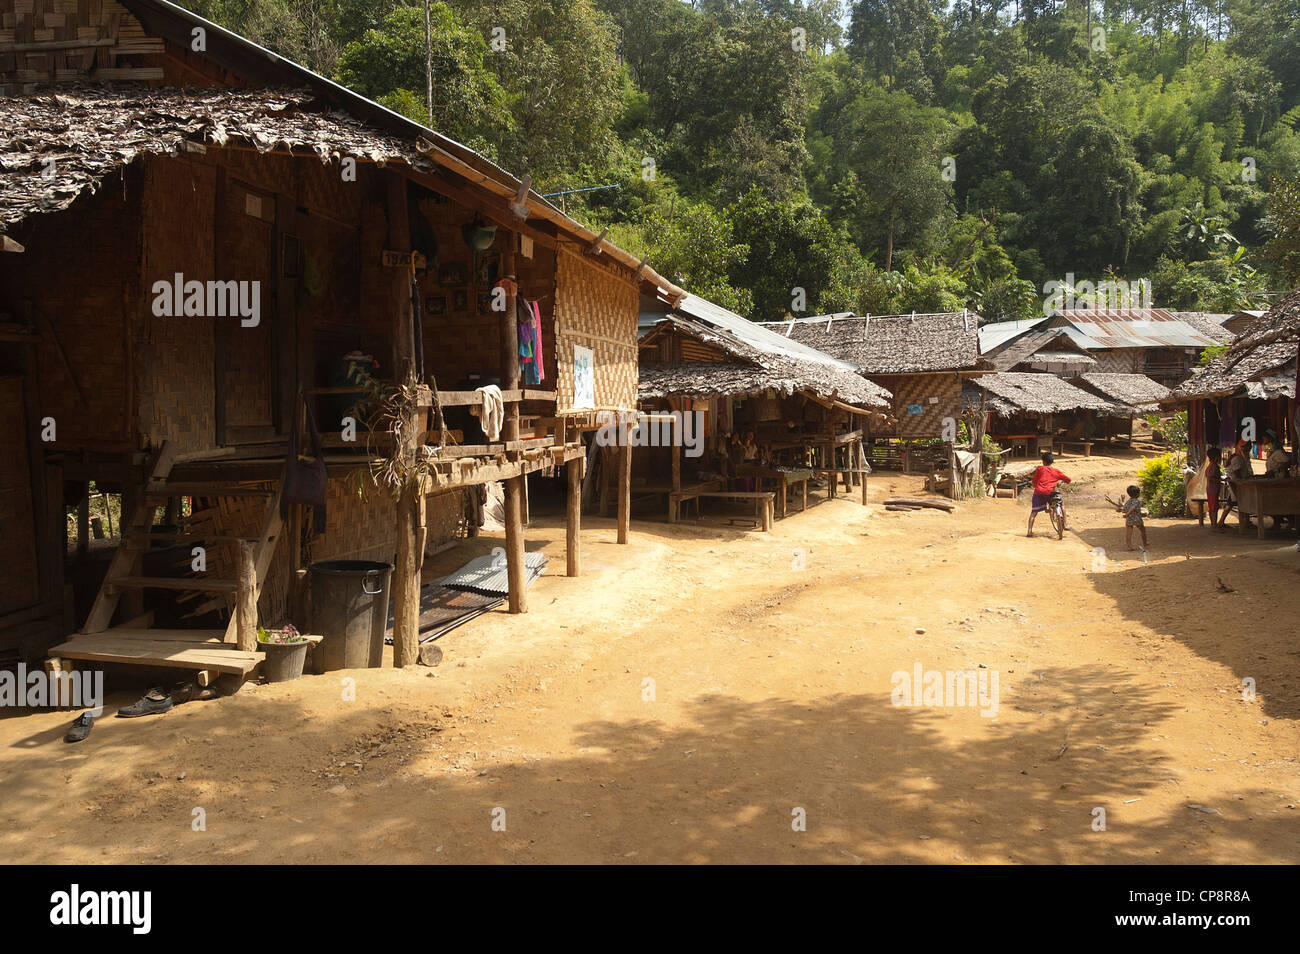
(753, 370)
(892, 344)
(1267, 350)
(62, 141)
(81, 134)
(1036, 393)
(1135, 390)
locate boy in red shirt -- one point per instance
(1046, 477)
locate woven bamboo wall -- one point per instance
(919, 389)
(81, 272)
(117, 47)
(175, 355)
(1120, 361)
(596, 307)
(18, 583)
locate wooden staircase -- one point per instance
(209, 652)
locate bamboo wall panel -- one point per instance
(81, 272)
(18, 582)
(59, 41)
(596, 306)
(918, 389)
(175, 354)
(247, 256)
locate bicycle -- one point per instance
(1056, 513)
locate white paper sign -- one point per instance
(584, 378)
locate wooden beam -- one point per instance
(624, 491)
(410, 505)
(246, 599)
(516, 573)
(573, 517)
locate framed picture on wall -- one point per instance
(435, 305)
(460, 301)
(453, 273)
(484, 304)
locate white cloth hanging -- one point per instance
(492, 412)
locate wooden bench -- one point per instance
(1086, 445)
(764, 502)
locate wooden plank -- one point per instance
(195, 583)
(209, 637)
(167, 490)
(161, 653)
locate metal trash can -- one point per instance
(349, 610)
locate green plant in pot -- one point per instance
(286, 652)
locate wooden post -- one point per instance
(246, 598)
(573, 522)
(406, 580)
(624, 490)
(675, 448)
(83, 524)
(514, 486)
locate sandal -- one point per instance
(153, 702)
(80, 728)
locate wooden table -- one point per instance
(1267, 496)
(783, 480)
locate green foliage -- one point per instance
(1163, 489)
(1173, 153)
(1209, 354)
(1173, 429)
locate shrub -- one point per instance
(1163, 490)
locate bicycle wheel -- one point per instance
(1058, 519)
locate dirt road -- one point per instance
(696, 694)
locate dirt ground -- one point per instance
(1120, 688)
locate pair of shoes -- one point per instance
(80, 728)
(153, 702)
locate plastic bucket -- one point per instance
(283, 661)
(349, 604)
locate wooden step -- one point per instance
(205, 490)
(172, 583)
(143, 650)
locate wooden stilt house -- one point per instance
(209, 243)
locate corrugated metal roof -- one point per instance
(755, 335)
(997, 333)
(488, 574)
(1105, 328)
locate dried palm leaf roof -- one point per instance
(1037, 393)
(62, 141)
(1135, 390)
(892, 344)
(753, 370)
(58, 144)
(1266, 350)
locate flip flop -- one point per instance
(154, 702)
(80, 728)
